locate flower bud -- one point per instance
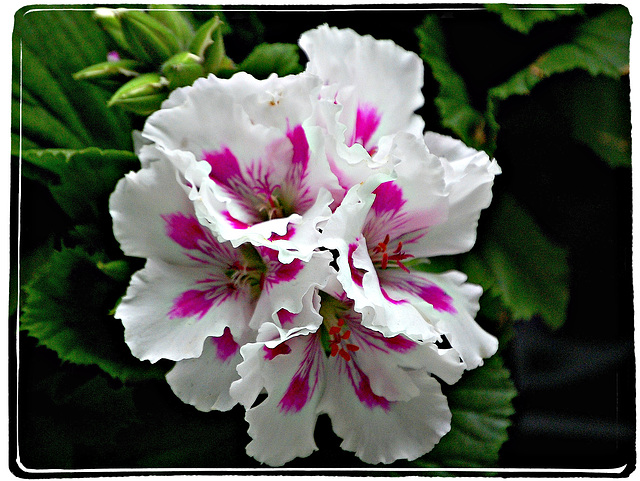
(175, 21)
(142, 95)
(182, 69)
(204, 37)
(149, 40)
(108, 19)
(108, 69)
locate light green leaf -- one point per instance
(524, 17)
(268, 58)
(529, 271)
(85, 177)
(67, 310)
(600, 46)
(452, 101)
(481, 406)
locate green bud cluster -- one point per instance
(164, 52)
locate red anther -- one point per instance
(352, 347)
(385, 260)
(345, 355)
(341, 322)
(399, 248)
(386, 240)
(334, 330)
(346, 335)
(334, 349)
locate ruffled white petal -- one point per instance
(383, 432)
(289, 289)
(377, 75)
(137, 206)
(282, 425)
(155, 326)
(204, 382)
(469, 176)
(449, 304)
(262, 175)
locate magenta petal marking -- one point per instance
(225, 169)
(434, 295)
(271, 352)
(386, 295)
(184, 230)
(192, 303)
(300, 144)
(367, 396)
(388, 199)
(226, 346)
(291, 231)
(235, 223)
(427, 291)
(398, 343)
(367, 122)
(286, 317)
(296, 396)
(356, 275)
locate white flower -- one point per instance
(378, 391)
(430, 207)
(259, 172)
(193, 286)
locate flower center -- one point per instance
(382, 254)
(334, 331)
(270, 204)
(248, 272)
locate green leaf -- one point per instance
(49, 46)
(518, 261)
(599, 112)
(524, 17)
(481, 405)
(600, 46)
(67, 310)
(268, 58)
(86, 178)
(452, 101)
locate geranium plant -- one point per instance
(269, 254)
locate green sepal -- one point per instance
(104, 70)
(149, 40)
(214, 53)
(267, 58)
(109, 20)
(204, 37)
(182, 69)
(175, 21)
(142, 95)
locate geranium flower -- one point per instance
(430, 207)
(193, 286)
(378, 86)
(259, 173)
(378, 391)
